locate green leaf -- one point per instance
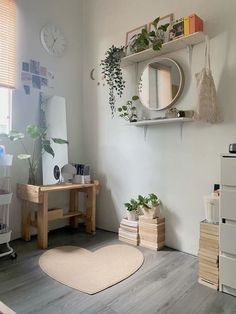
(156, 21)
(59, 141)
(15, 135)
(135, 98)
(157, 46)
(124, 108)
(164, 27)
(23, 156)
(119, 109)
(48, 149)
(34, 131)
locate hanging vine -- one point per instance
(113, 75)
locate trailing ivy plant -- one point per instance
(113, 75)
(128, 111)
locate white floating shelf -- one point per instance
(160, 121)
(171, 46)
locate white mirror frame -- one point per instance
(179, 91)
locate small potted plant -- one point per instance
(150, 205)
(132, 208)
(129, 111)
(157, 36)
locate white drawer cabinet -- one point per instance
(228, 171)
(227, 227)
(227, 238)
(228, 272)
(228, 204)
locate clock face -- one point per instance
(53, 40)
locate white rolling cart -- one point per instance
(5, 201)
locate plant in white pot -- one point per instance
(150, 205)
(132, 208)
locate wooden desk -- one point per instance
(39, 195)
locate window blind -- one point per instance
(8, 43)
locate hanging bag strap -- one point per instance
(207, 53)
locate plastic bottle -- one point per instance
(2, 150)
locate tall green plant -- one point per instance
(39, 136)
(113, 75)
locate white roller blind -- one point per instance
(8, 43)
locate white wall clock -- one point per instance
(53, 40)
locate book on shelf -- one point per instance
(152, 231)
(152, 238)
(133, 242)
(129, 235)
(151, 245)
(128, 228)
(157, 220)
(186, 25)
(129, 223)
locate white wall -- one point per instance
(180, 170)
(31, 16)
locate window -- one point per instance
(5, 112)
(7, 60)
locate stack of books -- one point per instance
(128, 231)
(208, 255)
(152, 232)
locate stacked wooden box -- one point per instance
(128, 231)
(152, 232)
(208, 255)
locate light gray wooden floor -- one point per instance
(166, 283)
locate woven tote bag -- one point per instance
(207, 110)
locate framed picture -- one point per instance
(167, 19)
(131, 35)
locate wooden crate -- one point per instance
(208, 255)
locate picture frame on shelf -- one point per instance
(177, 29)
(131, 35)
(167, 19)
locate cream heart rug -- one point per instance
(91, 272)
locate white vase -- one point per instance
(132, 215)
(151, 212)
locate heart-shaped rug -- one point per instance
(91, 272)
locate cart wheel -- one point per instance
(13, 255)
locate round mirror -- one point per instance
(160, 84)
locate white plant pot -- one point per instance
(132, 215)
(151, 212)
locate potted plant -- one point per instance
(113, 75)
(132, 208)
(150, 205)
(129, 111)
(139, 42)
(145, 39)
(157, 36)
(38, 135)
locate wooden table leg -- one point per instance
(25, 220)
(42, 222)
(74, 207)
(91, 210)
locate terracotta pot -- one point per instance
(151, 212)
(132, 215)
